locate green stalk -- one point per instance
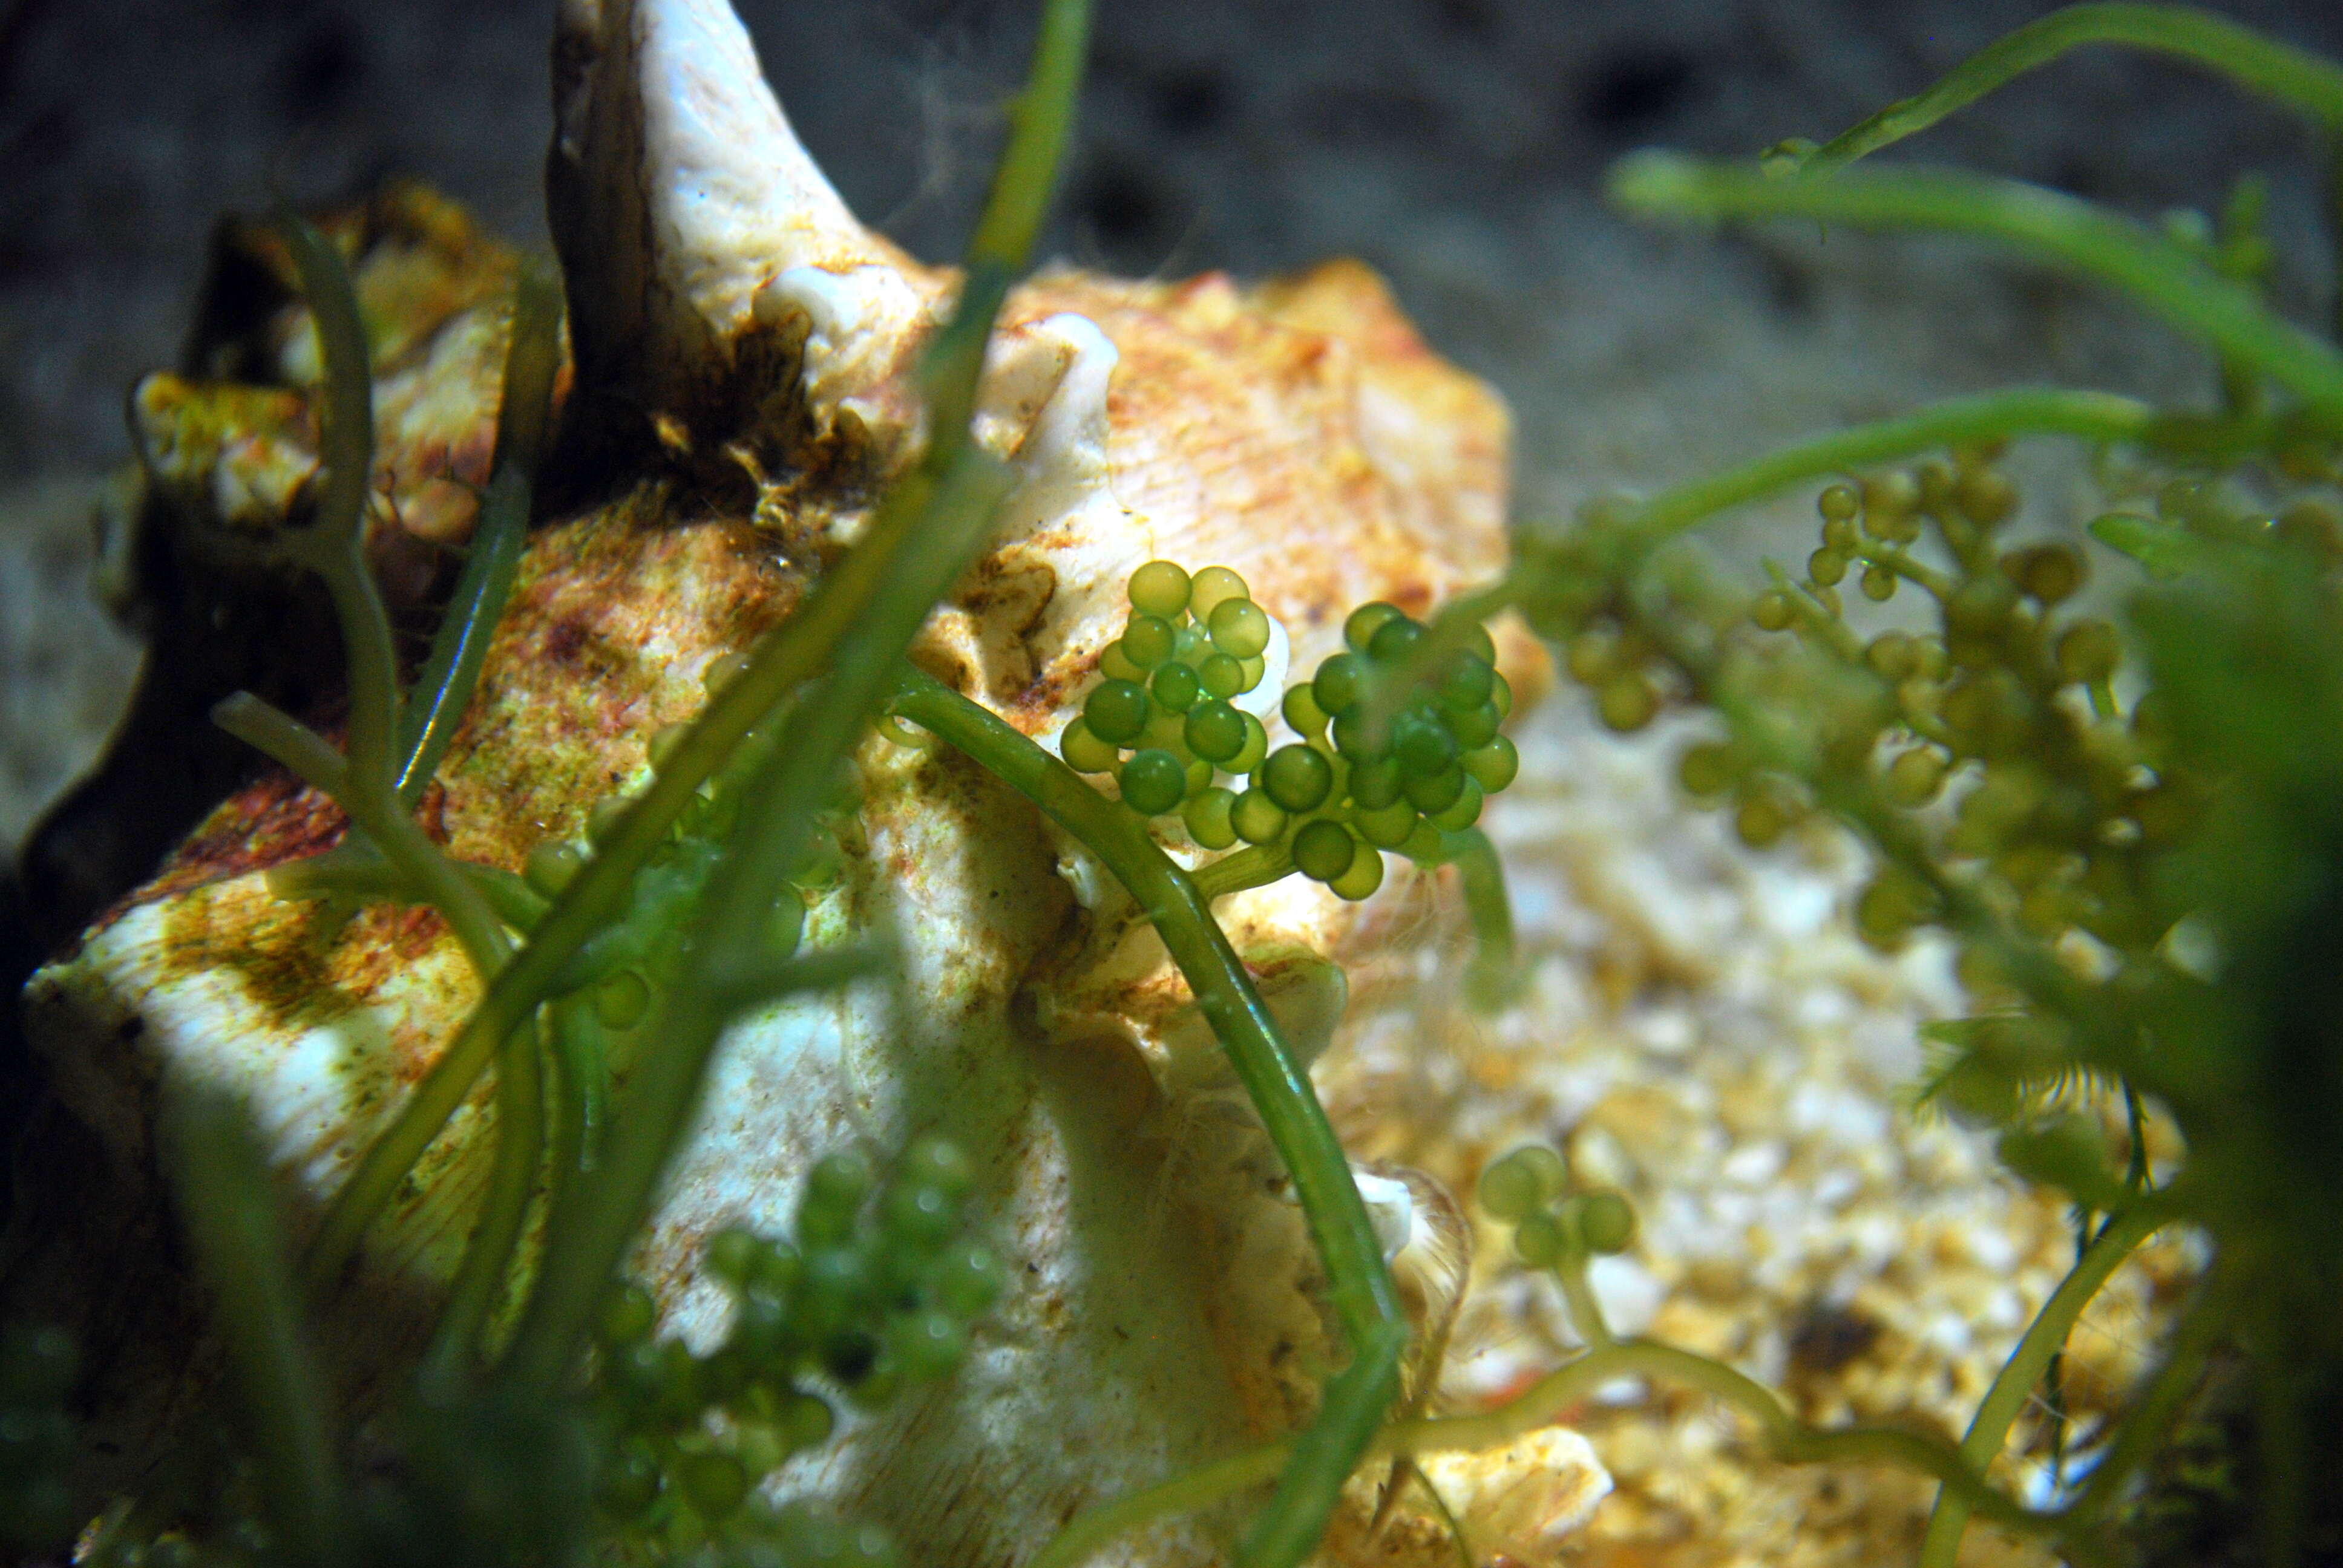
(221, 1181)
(1494, 975)
(496, 1238)
(2023, 1371)
(460, 645)
(1543, 1402)
(2100, 417)
(412, 855)
(1363, 1297)
(2300, 80)
(1041, 121)
(357, 871)
(334, 544)
(2044, 225)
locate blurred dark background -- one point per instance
(1458, 144)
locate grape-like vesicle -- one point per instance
(1373, 770)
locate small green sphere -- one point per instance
(1297, 778)
(1394, 641)
(1423, 745)
(1540, 1242)
(1199, 778)
(1463, 812)
(1214, 730)
(1387, 827)
(1255, 748)
(834, 1190)
(1352, 738)
(1337, 684)
(1240, 629)
(1159, 588)
(631, 1317)
(1474, 726)
(620, 1001)
(927, 1345)
(835, 1288)
(940, 1163)
(966, 1279)
(734, 1253)
(1257, 819)
(1220, 676)
(1605, 1222)
(1492, 766)
(1115, 665)
(918, 1216)
(713, 1484)
(1084, 753)
(1376, 784)
(1467, 682)
(1365, 875)
(1435, 791)
(1148, 640)
(629, 1482)
(1323, 851)
(1175, 688)
(1772, 610)
(1211, 587)
(1153, 781)
(1363, 622)
(1706, 768)
(1116, 712)
(1302, 711)
(1206, 816)
(1500, 693)
(552, 864)
(1522, 1184)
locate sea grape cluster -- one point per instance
(1529, 1189)
(1357, 781)
(877, 1291)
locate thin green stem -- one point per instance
(1041, 121)
(221, 1181)
(460, 647)
(496, 1239)
(1254, 866)
(2045, 225)
(1363, 1294)
(2100, 417)
(1495, 973)
(356, 871)
(1540, 1404)
(581, 1064)
(1184, 1493)
(411, 854)
(2300, 80)
(334, 544)
(1988, 1429)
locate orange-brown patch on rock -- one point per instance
(274, 820)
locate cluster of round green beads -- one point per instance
(1348, 788)
(878, 1291)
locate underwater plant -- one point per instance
(2130, 831)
